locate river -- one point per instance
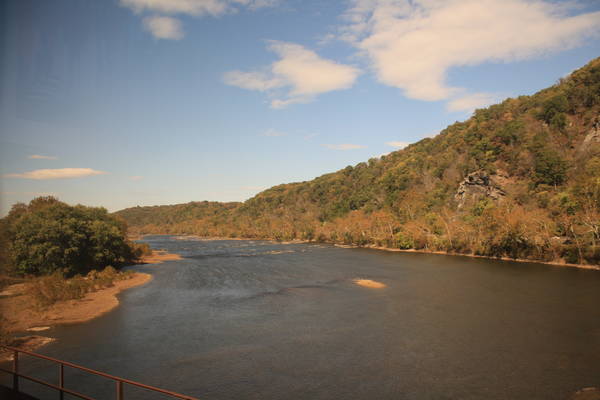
(237, 319)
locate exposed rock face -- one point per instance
(479, 184)
(593, 135)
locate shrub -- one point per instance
(140, 249)
(403, 241)
(571, 254)
(49, 289)
(592, 255)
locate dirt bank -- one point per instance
(19, 313)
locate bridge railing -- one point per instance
(60, 387)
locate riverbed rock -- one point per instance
(480, 184)
(589, 393)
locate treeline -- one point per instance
(48, 236)
(519, 179)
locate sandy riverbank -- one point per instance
(159, 256)
(19, 314)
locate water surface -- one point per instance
(258, 320)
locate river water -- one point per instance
(259, 320)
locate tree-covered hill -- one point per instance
(518, 179)
(179, 217)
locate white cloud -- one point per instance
(40, 157)
(345, 146)
(411, 44)
(273, 133)
(190, 7)
(470, 102)
(256, 4)
(298, 76)
(278, 103)
(194, 7)
(170, 28)
(399, 145)
(61, 173)
(256, 80)
(164, 27)
(136, 178)
(310, 136)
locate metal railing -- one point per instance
(119, 382)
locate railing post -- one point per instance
(119, 390)
(16, 371)
(61, 380)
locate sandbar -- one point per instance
(369, 283)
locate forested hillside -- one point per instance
(519, 179)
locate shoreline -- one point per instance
(373, 247)
(94, 304)
(158, 257)
(445, 253)
(20, 317)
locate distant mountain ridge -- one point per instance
(519, 179)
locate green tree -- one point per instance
(552, 107)
(550, 168)
(49, 235)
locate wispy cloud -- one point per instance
(273, 133)
(344, 146)
(195, 7)
(189, 7)
(310, 136)
(399, 145)
(40, 157)
(471, 101)
(412, 44)
(297, 77)
(164, 27)
(136, 178)
(61, 173)
(170, 28)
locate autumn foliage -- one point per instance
(544, 148)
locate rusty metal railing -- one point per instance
(119, 382)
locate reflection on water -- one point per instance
(258, 320)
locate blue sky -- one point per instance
(141, 102)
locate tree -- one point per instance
(552, 107)
(550, 168)
(49, 235)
